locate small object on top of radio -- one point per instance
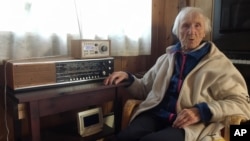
(90, 48)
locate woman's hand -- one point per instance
(116, 78)
(187, 117)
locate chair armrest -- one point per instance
(232, 120)
(128, 110)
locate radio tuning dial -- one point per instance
(103, 48)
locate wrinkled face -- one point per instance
(191, 31)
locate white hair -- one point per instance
(184, 12)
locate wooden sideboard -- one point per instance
(51, 101)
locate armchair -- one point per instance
(131, 104)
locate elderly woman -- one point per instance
(189, 91)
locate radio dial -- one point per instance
(103, 48)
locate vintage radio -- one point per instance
(55, 71)
(90, 48)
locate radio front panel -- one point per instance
(83, 70)
(28, 74)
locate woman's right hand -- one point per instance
(116, 78)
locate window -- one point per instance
(38, 28)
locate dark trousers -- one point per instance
(147, 127)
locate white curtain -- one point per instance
(38, 28)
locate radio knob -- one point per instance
(103, 48)
(104, 73)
